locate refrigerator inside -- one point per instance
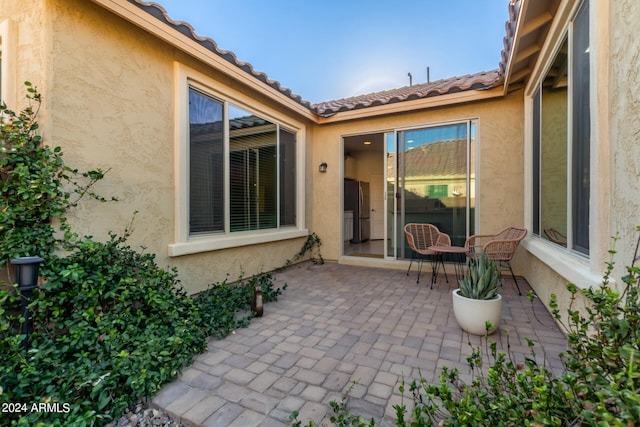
(356, 199)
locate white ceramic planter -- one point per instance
(472, 314)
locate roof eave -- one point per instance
(418, 104)
(514, 44)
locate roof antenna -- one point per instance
(428, 80)
(410, 79)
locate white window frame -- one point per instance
(584, 271)
(184, 243)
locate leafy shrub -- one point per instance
(509, 393)
(225, 306)
(598, 388)
(111, 327)
(311, 245)
(603, 361)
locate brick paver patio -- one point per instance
(334, 325)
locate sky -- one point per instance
(336, 49)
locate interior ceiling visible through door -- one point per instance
(354, 144)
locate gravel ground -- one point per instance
(142, 415)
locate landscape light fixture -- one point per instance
(27, 278)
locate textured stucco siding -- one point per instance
(25, 49)
(112, 108)
(625, 124)
(500, 174)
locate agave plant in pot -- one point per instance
(477, 301)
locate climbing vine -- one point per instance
(37, 187)
(312, 246)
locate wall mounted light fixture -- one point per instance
(323, 167)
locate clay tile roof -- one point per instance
(510, 31)
(445, 159)
(479, 81)
(160, 13)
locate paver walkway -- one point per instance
(336, 324)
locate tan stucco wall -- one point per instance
(365, 165)
(500, 177)
(109, 103)
(25, 48)
(625, 125)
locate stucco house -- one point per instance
(222, 163)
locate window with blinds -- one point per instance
(288, 201)
(253, 168)
(206, 164)
(258, 191)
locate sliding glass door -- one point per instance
(431, 179)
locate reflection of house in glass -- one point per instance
(437, 178)
(438, 170)
(552, 144)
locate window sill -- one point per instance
(572, 267)
(213, 243)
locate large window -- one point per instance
(561, 141)
(206, 164)
(581, 130)
(242, 169)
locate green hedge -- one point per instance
(110, 327)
